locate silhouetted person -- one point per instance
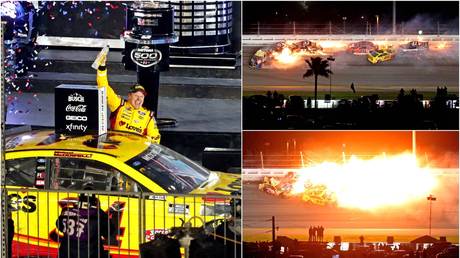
(315, 234)
(310, 234)
(275, 95)
(401, 95)
(320, 233)
(269, 95)
(309, 102)
(361, 240)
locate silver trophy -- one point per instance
(102, 56)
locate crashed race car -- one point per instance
(279, 51)
(278, 186)
(381, 55)
(305, 47)
(361, 47)
(284, 187)
(414, 46)
(259, 58)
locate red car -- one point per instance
(361, 47)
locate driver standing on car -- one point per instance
(128, 115)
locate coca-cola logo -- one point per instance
(77, 108)
(145, 56)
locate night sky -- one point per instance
(325, 11)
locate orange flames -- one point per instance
(333, 45)
(286, 56)
(291, 53)
(365, 184)
(439, 45)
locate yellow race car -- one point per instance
(381, 55)
(144, 188)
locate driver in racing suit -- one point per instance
(129, 115)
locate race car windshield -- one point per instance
(168, 169)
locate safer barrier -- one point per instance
(51, 223)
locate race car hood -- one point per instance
(220, 183)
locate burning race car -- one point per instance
(286, 187)
(305, 47)
(284, 52)
(278, 186)
(361, 47)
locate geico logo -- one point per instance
(76, 118)
(26, 203)
(153, 56)
(130, 127)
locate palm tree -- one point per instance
(317, 67)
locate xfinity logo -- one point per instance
(73, 127)
(75, 97)
(145, 56)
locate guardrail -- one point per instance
(364, 27)
(270, 39)
(49, 223)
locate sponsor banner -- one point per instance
(80, 109)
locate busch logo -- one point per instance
(76, 98)
(145, 56)
(78, 108)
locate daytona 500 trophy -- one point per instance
(149, 32)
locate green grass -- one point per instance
(340, 95)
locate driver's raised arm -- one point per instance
(113, 100)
